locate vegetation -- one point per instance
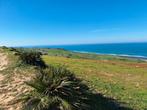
(89, 82)
(124, 81)
(69, 54)
(31, 58)
(57, 89)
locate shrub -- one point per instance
(31, 58)
(4, 47)
(56, 89)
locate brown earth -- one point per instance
(12, 89)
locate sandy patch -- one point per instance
(3, 61)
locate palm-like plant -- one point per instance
(56, 89)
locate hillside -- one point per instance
(116, 83)
(119, 78)
(12, 80)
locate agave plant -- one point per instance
(56, 89)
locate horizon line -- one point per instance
(37, 45)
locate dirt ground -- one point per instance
(12, 89)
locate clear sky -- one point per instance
(48, 22)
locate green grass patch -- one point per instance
(124, 81)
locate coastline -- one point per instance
(144, 58)
(138, 57)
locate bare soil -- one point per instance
(11, 90)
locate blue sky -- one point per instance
(49, 22)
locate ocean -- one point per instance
(120, 49)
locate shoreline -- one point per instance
(144, 58)
(137, 57)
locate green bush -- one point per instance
(56, 89)
(31, 58)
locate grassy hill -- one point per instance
(118, 78)
(115, 83)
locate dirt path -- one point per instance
(12, 87)
(11, 91)
(3, 61)
(3, 64)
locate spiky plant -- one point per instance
(56, 89)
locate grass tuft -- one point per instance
(56, 89)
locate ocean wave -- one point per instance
(121, 55)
